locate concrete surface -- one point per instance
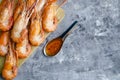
(92, 52)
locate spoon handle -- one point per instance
(68, 30)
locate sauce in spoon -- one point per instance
(54, 46)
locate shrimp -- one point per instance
(36, 33)
(10, 67)
(23, 48)
(4, 39)
(19, 29)
(6, 14)
(49, 20)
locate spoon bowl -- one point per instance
(53, 47)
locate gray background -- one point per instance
(92, 52)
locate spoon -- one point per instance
(53, 47)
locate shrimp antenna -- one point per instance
(64, 1)
(31, 8)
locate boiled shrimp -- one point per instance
(19, 29)
(23, 48)
(4, 39)
(36, 33)
(49, 20)
(6, 14)
(10, 67)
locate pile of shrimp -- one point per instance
(23, 25)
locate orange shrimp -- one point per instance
(23, 48)
(20, 24)
(49, 20)
(6, 14)
(36, 33)
(10, 67)
(4, 39)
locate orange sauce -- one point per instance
(54, 46)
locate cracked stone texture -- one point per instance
(91, 52)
